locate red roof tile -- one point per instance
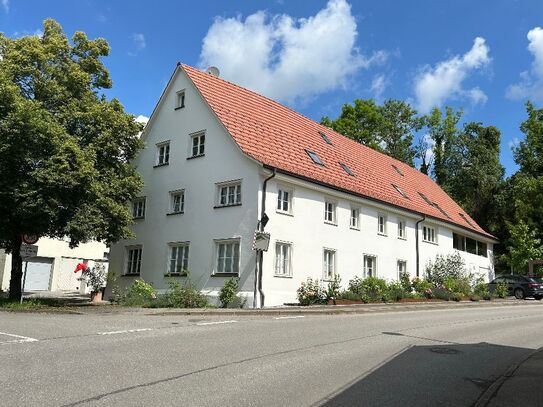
(277, 136)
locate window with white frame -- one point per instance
(163, 153)
(401, 229)
(282, 259)
(355, 218)
(329, 212)
(284, 200)
(197, 144)
(229, 194)
(402, 267)
(227, 256)
(138, 208)
(177, 201)
(370, 265)
(179, 258)
(429, 234)
(329, 264)
(133, 260)
(381, 224)
(180, 99)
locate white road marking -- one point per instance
(216, 323)
(126, 331)
(292, 317)
(20, 339)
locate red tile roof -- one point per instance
(278, 137)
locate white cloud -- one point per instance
(38, 32)
(435, 84)
(286, 58)
(142, 119)
(531, 82)
(514, 143)
(139, 43)
(5, 5)
(378, 86)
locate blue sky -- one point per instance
(483, 56)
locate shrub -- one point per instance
(481, 289)
(139, 293)
(442, 294)
(227, 294)
(460, 285)
(449, 266)
(181, 296)
(502, 290)
(311, 292)
(334, 287)
(405, 281)
(395, 291)
(475, 298)
(421, 285)
(372, 287)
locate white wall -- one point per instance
(201, 223)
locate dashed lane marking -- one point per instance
(216, 323)
(291, 317)
(125, 331)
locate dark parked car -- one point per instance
(519, 286)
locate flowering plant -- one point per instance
(95, 277)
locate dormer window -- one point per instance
(316, 159)
(180, 99)
(325, 138)
(346, 169)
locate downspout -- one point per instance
(260, 254)
(417, 242)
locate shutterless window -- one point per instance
(381, 224)
(138, 208)
(316, 159)
(329, 212)
(329, 264)
(228, 257)
(283, 200)
(402, 267)
(325, 138)
(429, 234)
(133, 260)
(397, 170)
(370, 266)
(179, 258)
(198, 144)
(400, 191)
(177, 202)
(180, 99)
(230, 194)
(426, 199)
(163, 153)
(466, 219)
(282, 259)
(346, 169)
(401, 229)
(355, 218)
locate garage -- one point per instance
(38, 274)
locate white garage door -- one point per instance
(38, 275)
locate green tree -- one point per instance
(523, 246)
(64, 148)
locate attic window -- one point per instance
(466, 219)
(400, 191)
(325, 138)
(397, 170)
(346, 169)
(180, 99)
(441, 210)
(426, 199)
(316, 159)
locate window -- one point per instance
(198, 141)
(133, 260)
(459, 242)
(314, 157)
(402, 267)
(400, 191)
(180, 99)
(329, 264)
(163, 153)
(179, 258)
(401, 229)
(227, 257)
(426, 199)
(177, 202)
(355, 218)
(329, 212)
(481, 249)
(469, 245)
(397, 170)
(138, 208)
(229, 194)
(381, 224)
(284, 199)
(325, 138)
(346, 169)
(370, 265)
(466, 219)
(429, 234)
(282, 259)
(440, 209)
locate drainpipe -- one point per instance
(417, 242)
(260, 254)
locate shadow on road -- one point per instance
(447, 374)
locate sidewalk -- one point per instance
(519, 386)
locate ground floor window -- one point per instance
(329, 264)
(370, 265)
(402, 267)
(282, 259)
(133, 260)
(227, 257)
(179, 258)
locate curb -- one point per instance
(485, 398)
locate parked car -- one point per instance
(519, 286)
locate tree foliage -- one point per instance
(64, 148)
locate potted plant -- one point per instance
(96, 280)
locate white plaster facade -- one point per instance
(203, 223)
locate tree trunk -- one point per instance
(15, 289)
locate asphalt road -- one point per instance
(421, 358)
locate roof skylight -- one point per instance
(346, 169)
(466, 219)
(441, 210)
(325, 138)
(400, 191)
(397, 170)
(316, 159)
(426, 199)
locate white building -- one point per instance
(53, 268)
(218, 156)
